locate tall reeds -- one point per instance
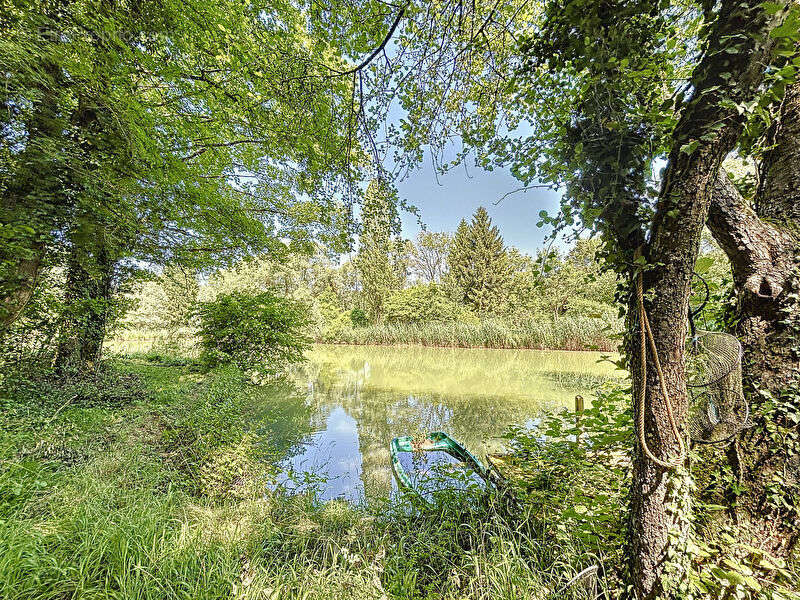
(568, 333)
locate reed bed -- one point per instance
(569, 333)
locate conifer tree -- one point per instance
(489, 264)
(479, 264)
(459, 276)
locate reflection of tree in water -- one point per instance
(282, 418)
(377, 396)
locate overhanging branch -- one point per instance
(380, 48)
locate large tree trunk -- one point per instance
(660, 497)
(763, 245)
(32, 204)
(88, 297)
(20, 277)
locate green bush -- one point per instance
(261, 332)
(421, 304)
(358, 318)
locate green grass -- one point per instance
(160, 492)
(567, 333)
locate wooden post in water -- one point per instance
(578, 413)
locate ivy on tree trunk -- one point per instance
(762, 242)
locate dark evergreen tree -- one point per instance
(479, 264)
(489, 264)
(459, 276)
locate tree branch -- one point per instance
(756, 249)
(380, 48)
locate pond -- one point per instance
(355, 399)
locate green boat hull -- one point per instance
(436, 441)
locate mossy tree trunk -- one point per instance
(762, 241)
(33, 201)
(88, 297)
(709, 127)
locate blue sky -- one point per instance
(456, 195)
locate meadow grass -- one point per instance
(163, 494)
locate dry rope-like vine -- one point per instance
(645, 337)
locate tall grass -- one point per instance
(567, 333)
(142, 515)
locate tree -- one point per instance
(576, 275)
(421, 303)
(262, 332)
(489, 263)
(760, 233)
(378, 260)
(595, 82)
(479, 263)
(428, 256)
(188, 133)
(708, 126)
(459, 275)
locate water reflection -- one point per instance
(358, 398)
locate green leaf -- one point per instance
(690, 148)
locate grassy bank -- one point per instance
(568, 333)
(149, 482)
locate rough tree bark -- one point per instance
(763, 245)
(31, 205)
(709, 127)
(87, 295)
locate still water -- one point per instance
(352, 400)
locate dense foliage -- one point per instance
(259, 332)
(421, 303)
(554, 300)
(137, 136)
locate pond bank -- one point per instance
(159, 490)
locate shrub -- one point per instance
(358, 318)
(253, 331)
(421, 304)
(577, 473)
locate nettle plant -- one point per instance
(259, 333)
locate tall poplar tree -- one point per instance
(377, 260)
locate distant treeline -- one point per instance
(465, 289)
